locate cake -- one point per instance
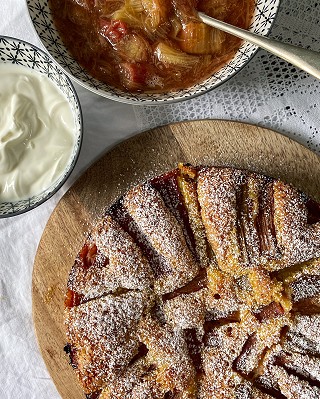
(200, 283)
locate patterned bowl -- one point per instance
(16, 51)
(264, 15)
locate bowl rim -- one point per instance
(79, 140)
(176, 97)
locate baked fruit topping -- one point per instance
(200, 283)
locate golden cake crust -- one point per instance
(200, 283)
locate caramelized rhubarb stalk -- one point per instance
(198, 38)
(161, 229)
(299, 240)
(87, 255)
(188, 189)
(156, 13)
(270, 311)
(134, 48)
(171, 56)
(217, 197)
(185, 9)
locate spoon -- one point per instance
(304, 59)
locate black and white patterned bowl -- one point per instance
(16, 51)
(39, 10)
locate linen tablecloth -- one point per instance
(268, 92)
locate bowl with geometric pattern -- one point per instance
(41, 127)
(128, 61)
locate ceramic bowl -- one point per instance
(16, 51)
(264, 15)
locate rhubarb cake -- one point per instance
(197, 284)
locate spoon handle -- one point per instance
(304, 59)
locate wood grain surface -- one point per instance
(135, 160)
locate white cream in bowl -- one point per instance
(37, 133)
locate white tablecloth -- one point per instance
(268, 92)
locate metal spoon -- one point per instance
(304, 59)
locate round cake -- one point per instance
(201, 283)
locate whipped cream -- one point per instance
(37, 132)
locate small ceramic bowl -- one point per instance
(264, 15)
(16, 51)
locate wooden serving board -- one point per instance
(148, 154)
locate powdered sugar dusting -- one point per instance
(147, 208)
(103, 335)
(243, 325)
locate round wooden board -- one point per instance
(148, 154)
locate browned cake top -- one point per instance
(200, 283)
